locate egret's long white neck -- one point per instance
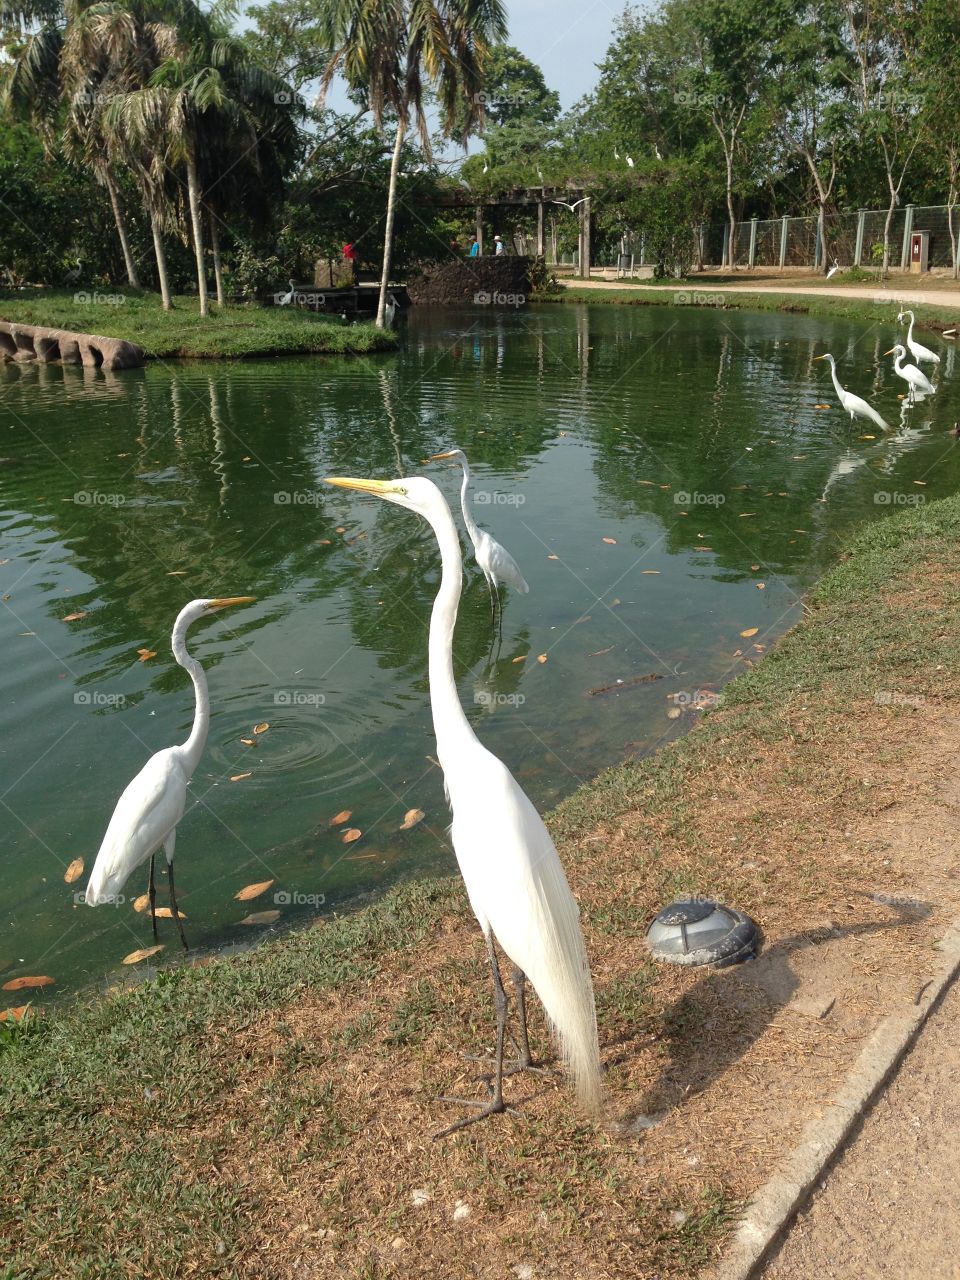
(836, 381)
(449, 722)
(465, 506)
(910, 328)
(193, 747)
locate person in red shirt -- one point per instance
(350, 256)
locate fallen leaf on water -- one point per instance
(541, 657)
(522, 658)
(586, 618)
(339, 819)
(74, 871)
(745, 515)
(26, 633)
(868, 437)
(14, 1014)
(143, 954)
(354, 833)
(411, 818)
(915, 482)
(754, 567)
(141, 903)
(340, 529)
(648, 571)
(146, 654)
(249, 742)
(176, 573)
(239, 777)
(74, 617)
(597, 652)
(262, 727)
(252, 890)
(359, 857)
(553, 557)
(261, 917)
(821, 406)
(18, 984)
(750, 631)
(324, 542)
(761, 586)
(673, 713)
(166, 913)
(611, 541)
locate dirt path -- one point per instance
(901, 287)
(891, 1205)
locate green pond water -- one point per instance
(649, 468)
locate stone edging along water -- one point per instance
(22, 343)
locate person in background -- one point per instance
(350, 258)
(499, 249)
(474, 247)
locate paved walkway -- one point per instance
(891, 1204)
(899, 287)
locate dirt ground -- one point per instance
(891, 1204)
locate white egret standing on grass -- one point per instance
(514, 878)
(915, 378)
(917, 349)
(285, 299)
(852, 404)
(496, 562)
(152, 805)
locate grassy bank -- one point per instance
(229, 332)
(704, 293)
(270, 1115)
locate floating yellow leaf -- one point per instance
(411, 818)
(353, 833)
(612, 542)
(141, 903)
(750, 631)
(176, 573)
(166, 913)
(673, 713)
(74, 617)
(261, 917)
(18, 984)
(521, 658)
(868, 437)
(249, 742)
(339, 819)
(597, 652)
(253, 890)
(146, 654)
(754, 567)
(541, 657)
(761, 586)
(74, 871)
(262, 727)
(553, 557)
(239, 777)
(341, 529)
(821, 406)
(143, 954)
(650, 571)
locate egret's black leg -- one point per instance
(168, 847)
(152, 894)
(496, 1104)
(520, 984)
(496, 592)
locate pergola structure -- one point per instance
(570, 197)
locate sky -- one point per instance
(567, 38)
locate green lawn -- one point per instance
(233, 331)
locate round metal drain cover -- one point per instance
(699, 932)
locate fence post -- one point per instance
(907, 233)
(753, 241)
(701, 241)
(784, 233)
(725, 251)
(643, 246)
(861, 227)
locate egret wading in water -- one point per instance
(917, 349)
(513, 875)
(495, 561)
(152, 805)
(915, 378)
(854, 405)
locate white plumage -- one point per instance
(286, 298)
(915, 378)
(151, 806)
(495, 561)
(917, 349)
(854, 405)
(513, 875)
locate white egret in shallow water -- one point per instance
(511, 870)
(152, 805)
(852, 404)
(496, 562)
(915, 378)
(917, 349)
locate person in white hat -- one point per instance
(499, 243)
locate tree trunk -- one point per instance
(193, 190)
(161, 261)
(388, 229)
(886, 236)
(131, 266)
(217, 265)
(731, 255)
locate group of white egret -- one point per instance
(510, 867)
(918, 384)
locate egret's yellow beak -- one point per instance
(378, 487)
(227, 602)
(439, 457)
(819, 357)
(890, 352)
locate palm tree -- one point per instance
(392, 50)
